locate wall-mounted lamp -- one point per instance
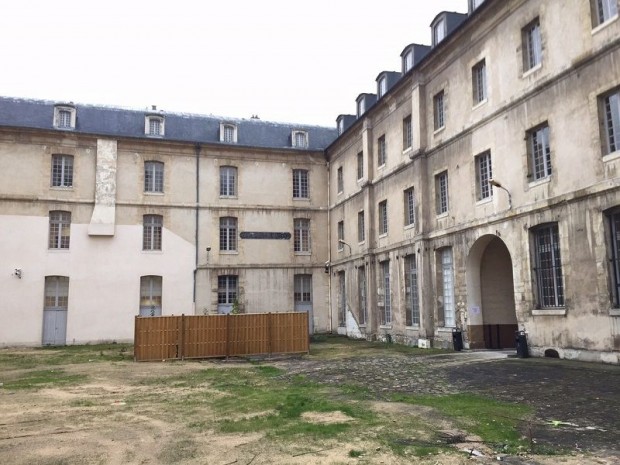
(18, 273)
(495, 183)
(340, 241)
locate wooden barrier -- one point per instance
(204, 336)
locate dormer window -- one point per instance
(154, 126)
(361, 107)
(382, 86)
(64, 117)
(228, 133)
(340, 126)
(408, 61)
(439, 31)
(473, 4)
(300, 139)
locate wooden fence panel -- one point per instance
(204, 336)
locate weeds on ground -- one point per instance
(42, 379)
(327, 347)
(55, 355)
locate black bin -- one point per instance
(457, 339)
(521, 343)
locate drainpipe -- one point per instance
(329, 254)
(196, 235)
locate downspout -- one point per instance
(197, 214)
(329, 253)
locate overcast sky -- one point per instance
(288, 61)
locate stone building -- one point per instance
(476, 190)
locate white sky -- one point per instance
(302, 62)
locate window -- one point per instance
(340, 180)
(614, 223)
(301, 239)
(548, 267)
(473, 4)
(539, 152)
(360, 165)
(228, 234)
(228, 181)
(361, 289)
(408, 61)
(340, 126)
(300, 139)
(300, 184)
(150, 295)
(60, 230)
(441, 193)
(604, 10)
(447, 286)
(151, 232)
(341, 235)
(64, 117)
(62, 171)
(439, 31)
(228, 133)
(611, 119)
(412, 297)
(407, 133)
(303, 288)
(382, 87)
(227, 289)
(342, 300)
(361, 227)
(386, 314)
(409, 207)
(56, 293)
(361, 107)
(479, 82)
(484, 174)
(383, 218)
(154, 126)
(438, 110)
(532, 45)
(153, 176)
(381, 151)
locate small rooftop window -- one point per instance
(439, 31)
(382, 87)
(228, 133)
(300, 139)
(64, 117)
(154, 125)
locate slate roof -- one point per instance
(118, 122)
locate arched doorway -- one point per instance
(492, 320)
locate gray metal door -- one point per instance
(150, 296)
(303, 297)
(55, 310)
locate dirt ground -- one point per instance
(94, 423)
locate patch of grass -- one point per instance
(355, 453)
(55, 355)
(43, 378)
(82, 403)
(178, 452)
(497, 423)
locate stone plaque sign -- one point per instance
(264, 235)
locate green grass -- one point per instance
(42, 379)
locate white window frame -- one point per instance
(151, 290)
(228, 133)
(228, 181)
(412, 294)
(299, 139)
(62, 171)
(386, 314)
(603, 11)
(302, 288)
(361, 226)
(539, 152)
(153, 177)
(439, 116)
(340, 236)
(360, 165)
(301, 235)
(228, 234)
(154, 121)
(447, 285)
(152, 232)
(610, 114)
(484, 174)
(301, 184)
(383, 218)
(479, 82)
(407, 61)
(532, 46)
(442, 200)
(59, 230)
(382, 86)
(381, 151)
(407, 133)
(227, 289)
(61, 112)
(361, 106)
(409, 206)
(439, 31)
(340, 180)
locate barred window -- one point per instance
(300, 184)
(228, 234)
(62, 171)
(152, 232)
(153, 176)
(548, 266)
(301, 239)
(59, 230)
(484, 174)
(228, 181)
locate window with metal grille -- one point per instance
(300, 184)
(611, 120)
(438, 110)
(56, 293)
(479, 82)
(228, 181)
(64, 119)
(342, 300)
(228, 234)
(60, 230)
(361, 227)
(532, 45)
(150, 295)
(361, 289)
(340, 179)
(383, 218)
(153, 176)
(441, 192)
(300, 139)
(155, 125)
(381, 151)
(412, 298)
(301, 239)
(62, 171)
(539, 152)
(386, 314)
(604, 10)
(152, 231)
(614, 223)
(407, 133)
(303, 288)
(548, 266)
(484, 173)
(409, 206)
(340, 235)
(360, 165)
(227, 289)
(447, 285)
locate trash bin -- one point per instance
(521, 343)
(457, 339)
